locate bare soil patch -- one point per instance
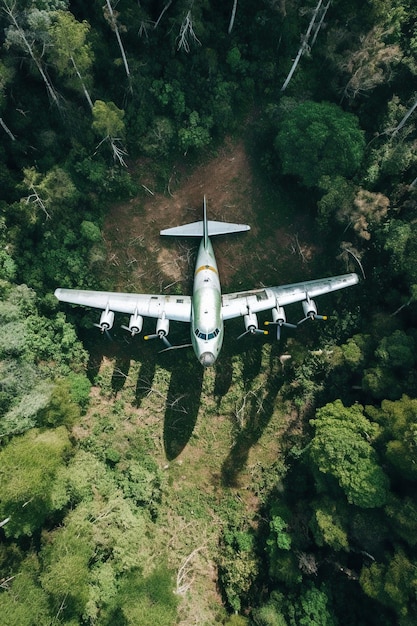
(139, 259)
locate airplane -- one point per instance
(207, 308)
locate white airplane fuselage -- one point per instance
(207, 328)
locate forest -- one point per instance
(278, 488)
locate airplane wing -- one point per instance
(175, 308)
(256, 300)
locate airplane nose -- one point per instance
(207, 359)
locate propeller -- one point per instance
(251, 325)
(279, 324)
(135, 324)
(279, 319)
(162, 330)
(310, 311)
(162, 336)
(106, 322)
(252, 330)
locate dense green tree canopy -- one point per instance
(319, 139)
(341, 449)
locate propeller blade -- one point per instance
(132, 331)
(312, 316)
(184, 345)
(288, 325)
(165, 341)
(108, 335)
(253, 331)
(160, 336)
(278, 325)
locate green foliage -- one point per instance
(400, 433)
(25, 603)
(278, 534)
(238, 565)
(312, 609)
(196, 134)
(341, 449)
(90, 231)
(402, 514)
(144, 600)
(319, 139)
(393, 585)
(70, 52)
(26, 494)
(268, 615)
(108, 120)
(328, 525)
(283, 565)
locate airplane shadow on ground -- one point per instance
(259, 418)
(182, 405)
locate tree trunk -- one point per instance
(84, 88)
(304, 43)
(232, 17)
(119, 39)
(405, 118)
(6, 129)
(49, 86)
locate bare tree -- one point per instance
(166, 7)
(232, 17)
(370, 65)
(111, 17)
(316, 23)
(405, 117)
(7, 129)
(18, 36)
(187, 33)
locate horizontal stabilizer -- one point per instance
(196, 229)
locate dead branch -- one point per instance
(183, 574)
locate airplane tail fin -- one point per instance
(206, 228)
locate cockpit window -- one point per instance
(205, 336)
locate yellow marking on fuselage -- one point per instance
(205, 267)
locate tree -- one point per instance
(341, 449)
(370, 64)
(314, 26)
(50, 192)
(393, 585)
(108, 123)
(319, 139)
(147, 600)
(328, 524)
(27, 36)
(398, 419)
(70, 53)
(111, 17)
(26, 494)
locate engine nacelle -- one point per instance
(251, 322)
(278, 315)
(135, 324)
(309, 308)
(162, 327)
(106, 320)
